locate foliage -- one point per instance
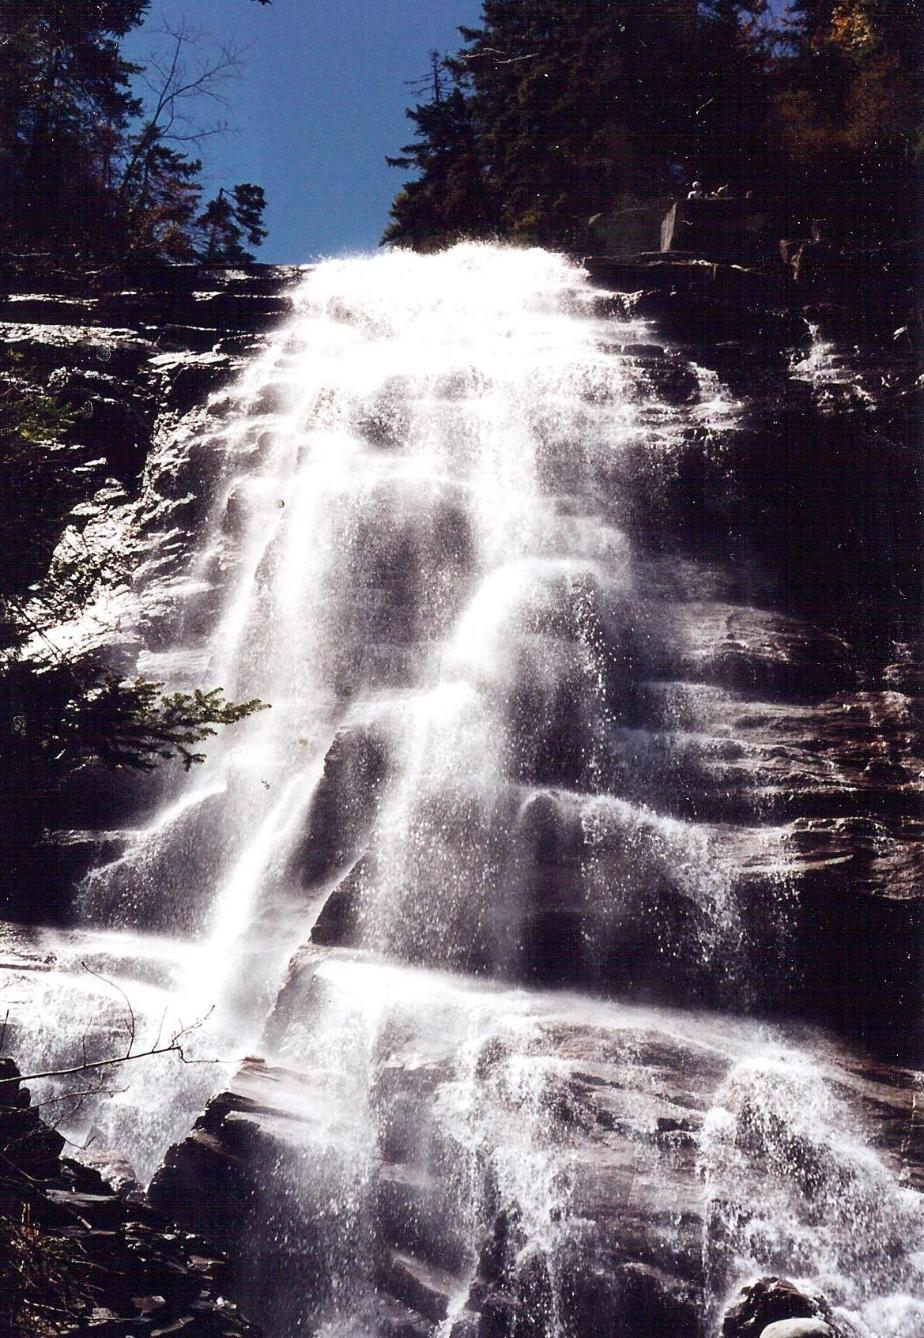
(94, 149)
(134, 724)
(556, 112)
(65, 106)
(61, 715)
(227, 219)
(560, 109)
(32, 427)
(452, 194)
(573, 114)
(44, 1281)
(848, 110)
(730, 79)
(60, 711)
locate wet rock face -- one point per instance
(120, 361)
(800, 885)
(758, 696)
(775, 1308)
(97, 1255)
(740, 828)
(768, 692)
(627, 1262)
(600, 1223)
(343, 808)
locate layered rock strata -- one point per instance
(644, 1209)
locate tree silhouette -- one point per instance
(95, 150)
(228, 219)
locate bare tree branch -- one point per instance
(174, 1046)
(131, 1012)
(181, 83)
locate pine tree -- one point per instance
(65, 104)
(563, 107)
(547, 82)
(161, 204)
(249, 207)
(228, 219)
(89, 169)
(451, 196)
(730, 75)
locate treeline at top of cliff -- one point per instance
(555, 113)
(98, 153)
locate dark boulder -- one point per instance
(770, 1301)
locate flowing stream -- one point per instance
(438, 884)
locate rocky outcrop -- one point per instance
(797, 707)
(79, 1255)
(627, 1189)
(694, 300)
(720, 229)
(634, 1260)
(775, 704)
(775, 1308)
(123, 359)
(803, 790)
(857, 291)
(717, 272)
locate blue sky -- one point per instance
(320, 102)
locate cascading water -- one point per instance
(422, 550)
(835, 374)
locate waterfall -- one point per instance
(449, 887)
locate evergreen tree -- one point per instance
(228, 219)
(567, 106)
(65, 105)
(451, 196)
(160, 204)
(550, 93)
(88, 167)
(560, 110)
(249, 208)
(730, 78)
